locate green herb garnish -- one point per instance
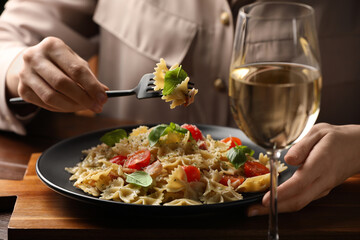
(172, 79)
(110, 138)
(139, 178)
(162, 130)
(237, 155)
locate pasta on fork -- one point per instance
(174, 86)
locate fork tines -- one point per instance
(151, 85)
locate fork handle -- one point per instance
(112, 93)
(120, 93)
(17, 100)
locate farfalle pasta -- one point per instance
(168, 165)
(176, 89)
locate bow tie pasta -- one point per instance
(174, 84)
(170, 165)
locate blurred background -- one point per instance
(338, 25)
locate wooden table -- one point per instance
(336, 216)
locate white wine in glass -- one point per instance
(275, 80)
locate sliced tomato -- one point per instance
(119, 159)
(234, 181)
(194, 130)
(233, 141)
(192, 173)
(252, 169)
(138, 160)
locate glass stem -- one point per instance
(273, 214)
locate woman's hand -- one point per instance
(54, 77)
(326, 157)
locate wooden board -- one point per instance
(40, 213)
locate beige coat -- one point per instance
(134, 34)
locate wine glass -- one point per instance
(275, 80)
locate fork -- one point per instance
(145, 89)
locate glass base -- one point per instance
(273, 236)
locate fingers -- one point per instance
(308, 183)
(299, 152)
(292, 187)
(29, 96)
(77, 69)
(65, 85)
(292, 204)
(302, 199)
(257, 209)
(57, 79)
(40, 94)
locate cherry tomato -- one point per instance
(138, 160)
(192, 173)
(252, 169)
(234, 141)
(235, 181)
(119, 159)
(194, 130)
(202, 145)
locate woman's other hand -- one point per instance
(326, 157)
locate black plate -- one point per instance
(50, 168)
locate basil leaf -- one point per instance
(110, 138)
(156, 133)
(139, 178)
(237, 155)
(172, 79)
(162, 130)
(175, 127)
(247, 150)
